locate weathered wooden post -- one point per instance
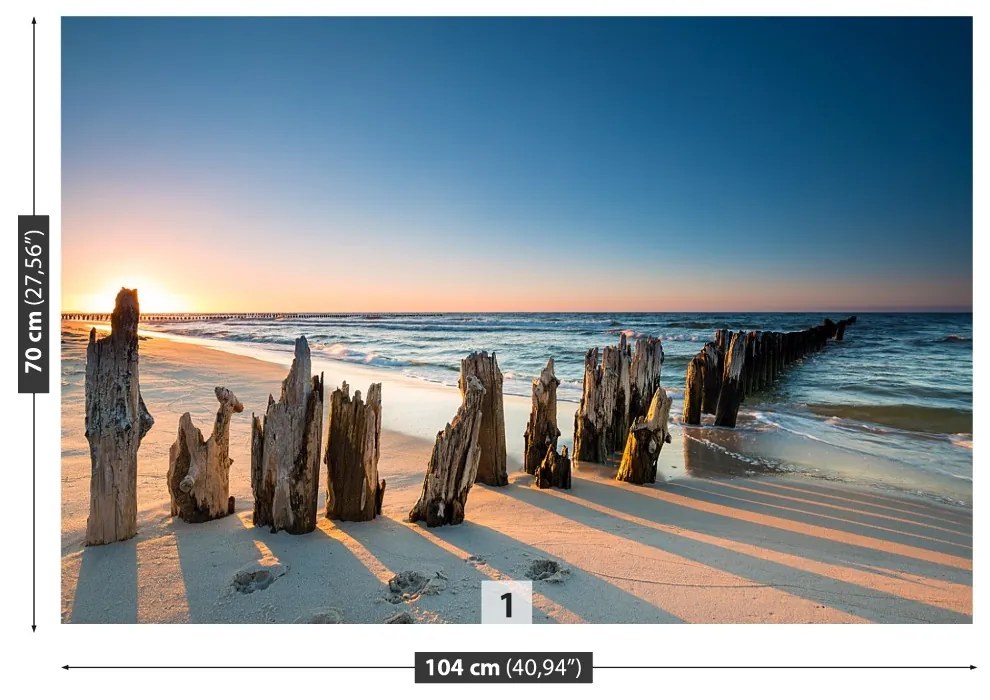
(285, 451)
(644, 373)
(830, 328)
(732, 391)
(454, 463)
(589, 421)
(646, 438)
(602, 418)
(541, 430)
(116, 422)
(712, 376)
(615, 390)
(554, 470)
(766, 360)
(722, 339)
(840, 329)
(694, 390)
(779, 359)
(199, 470)
(491, 467)
(749, 366)
(771, 365)
(560, 472)
(354, 491)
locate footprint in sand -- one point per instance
(546, 570)
(257, 577)
(407, 586)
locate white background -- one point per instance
(34, 660)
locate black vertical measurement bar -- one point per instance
(32, 292)
(34, 512)
(34, 117)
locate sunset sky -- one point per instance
(371, 165)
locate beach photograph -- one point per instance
(670, 317)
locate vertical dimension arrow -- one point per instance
(33, 274)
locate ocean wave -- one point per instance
(927, 419)
(339, 351)
(955, 339)
(692, 324)
(681, 337)
(963, 440)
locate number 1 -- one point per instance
(507, 597)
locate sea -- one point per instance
(890, 406)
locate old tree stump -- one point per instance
(116, 422)
(554, 470)
(285, 451)
(491, 466)
(603, 414)
(454, 463)
(646, 438)
(199, 470)
(541, 430)
(615, 393)
(353, 439)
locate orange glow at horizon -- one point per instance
(152, 296)
(187, 255)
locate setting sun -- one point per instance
(152, 296)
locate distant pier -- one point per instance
(266, 316)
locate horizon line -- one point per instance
(884, 310)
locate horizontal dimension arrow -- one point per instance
(659, 668)
(236, 668)
(798, 668)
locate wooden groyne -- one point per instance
(263, 316)
(735, 365)
(286, 442)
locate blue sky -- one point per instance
(514, 164)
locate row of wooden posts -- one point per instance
(735, 365)
(622, 407)
(286, 444)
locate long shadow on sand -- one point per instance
(943, 517)
(583, 593)
(107, 586)
(858, 600)
(738, 494)
(401, 547)
(322, 576)
(648, 502)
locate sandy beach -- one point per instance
(706, 546)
